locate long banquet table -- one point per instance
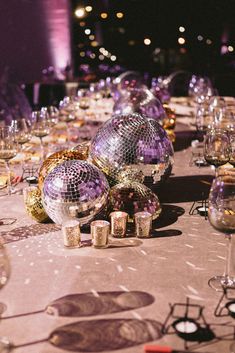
(127, 295)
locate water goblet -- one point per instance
(8, 150)
(217, 147)
(221, 214)
(53, 114)
(84, 104)
(67, 109)
(40, 127)
(204, 119)
(4, 277)
(4, 271)
(68, 112)
(22, 128)
(217, 105)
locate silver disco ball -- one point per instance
(132, 142)
(75, 186)
(139, 100)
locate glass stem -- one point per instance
(42, 149)
(22, 156)
(9, 178)
(227, 280)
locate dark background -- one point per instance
(159, 20)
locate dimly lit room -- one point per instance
(117, 180)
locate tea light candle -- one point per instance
(143, 224)
(118, 224)
(231, 308)
(202, 210)
(71, 233)
(32, 179)
(186, 326)
(100, 233)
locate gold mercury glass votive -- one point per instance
(100, 234)
(143, 224)
(71, 233)
(118, 224)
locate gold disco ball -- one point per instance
(133, 197)
(33, 204)
(79, 152)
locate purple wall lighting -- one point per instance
(34, 35)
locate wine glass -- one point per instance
(68, 112)
(204, 119)
(40, 127)
(8, 150)
(22, 128)
(221, 214)
(217, 147)
(67, 109)
(217, 105)
(53, 114)
(96, 94)
(84, 100)
(4, 271)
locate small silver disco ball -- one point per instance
(75, 185)
(129, 142)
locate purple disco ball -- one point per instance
(126, 81)
(130, 79)
(128, 144)
(138, 100)
(75, 185)
(133, 197)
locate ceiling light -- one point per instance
(87, 31)
(147, 41)
(103, 15)
(181, 40)
(80, 12)
(88, 8)
(119, 15)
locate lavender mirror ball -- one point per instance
(132, 141)
(77, 184)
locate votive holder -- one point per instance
(118, 224)
(100, 233)
(71, 233)
(143, 224)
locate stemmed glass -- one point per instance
(221, 214)
(53, 114)
(96, 94)
(8, 150)
(22, 130)
(68, 111)
(84, 100)
(4, 270)
(217, 147)
(40, 127)
(204, 119)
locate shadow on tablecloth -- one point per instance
(32, 230)
(184, 189)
